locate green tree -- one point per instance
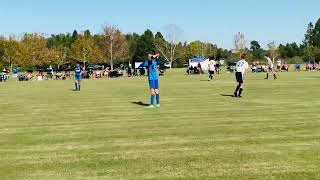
(145, 44)
(113, 44)
(85, 49)
(35, 50)
(10, 51)
(195, 48)
(310, 35)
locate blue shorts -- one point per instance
(77, 78)
(154, 84)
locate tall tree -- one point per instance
(317, 33)
(11, 51)
(256, 49)
(273, 50)
(145, 44)
(195, 48)
(85, 49)
(167, 46)
(35, 50)
(239, 43)
(309, 36)
(114, 44)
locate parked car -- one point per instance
(231, 66)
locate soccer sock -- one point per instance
(240, 91)
(152, 99)
(158, 98)
(76, 85)
(267, 76)
(79, 87)
(275, 76)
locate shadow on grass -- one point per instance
(227, 95)
(140, 103)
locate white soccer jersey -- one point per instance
(242, 66)
(270, 63)
(212, 66)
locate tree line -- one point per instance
(113, 47)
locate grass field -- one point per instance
(48, 131)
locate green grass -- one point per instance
(48, 131)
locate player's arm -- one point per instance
(145, 63)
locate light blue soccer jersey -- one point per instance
(152, 67)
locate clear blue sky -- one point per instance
(215, 21)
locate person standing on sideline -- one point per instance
(270, 67)
(77, 77)
(211, 69)
(152, 68)
(241, 68)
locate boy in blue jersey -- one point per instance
(77, 77)
(152, 68)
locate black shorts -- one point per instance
(211, 72)
(239, 77)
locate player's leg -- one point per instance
(240, 89)
(157, 93)
(79, 85)
(274, 74)
(76, 85)
(152, 93)
(238, 78)
(267, 77)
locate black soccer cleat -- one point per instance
(235, 94)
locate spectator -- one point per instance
(278, 65)
(254, 67)
(106, 72)
(200, 68)
(297, 67)
(98, 74)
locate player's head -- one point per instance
(77, 65)
(150, 55)
(266, 55)
(243, 56)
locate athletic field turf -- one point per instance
(48, 131)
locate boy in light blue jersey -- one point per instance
(152, 68)
(77, 77)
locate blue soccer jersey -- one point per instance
(77, 73)
(152, 67)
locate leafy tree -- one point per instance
(310, 35)
(85, 49)
(239, 44)
(168, 47)
(10, 51)
(195, 48)
(114, 44)
(35, 50)
(317, 34)
(145, 44)
(273, 50)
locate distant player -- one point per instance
(241, 68)
(211, 69)
(77, 77)
(270, 67)
(152, 68)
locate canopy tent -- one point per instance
(203, 62)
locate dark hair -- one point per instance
(243, 56)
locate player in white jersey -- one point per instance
(270, 67)
(241, 68)
(211, 69)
